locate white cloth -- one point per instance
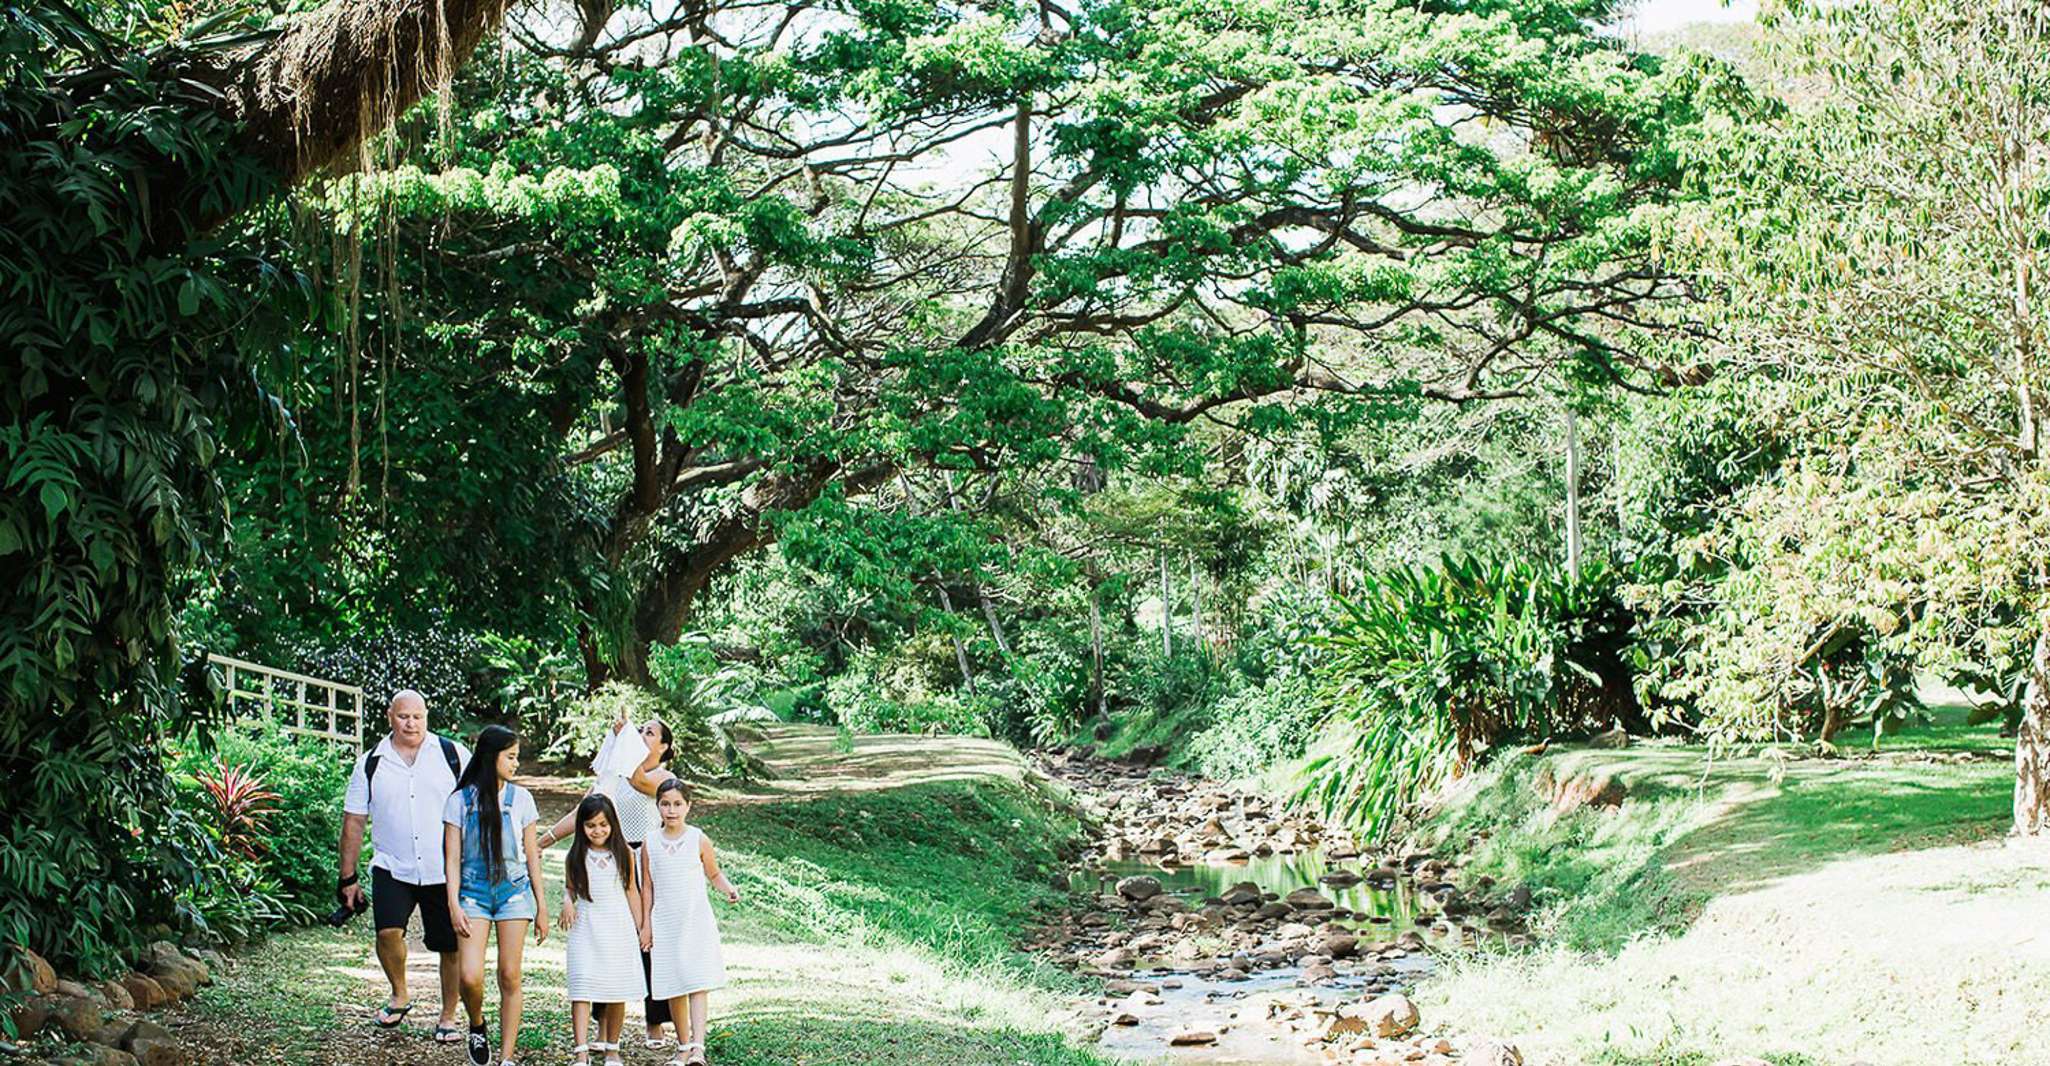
(405, 808)
(524, 813)
(617, 760)
(604, 943)
(686, 953)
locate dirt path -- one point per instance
(306, 998)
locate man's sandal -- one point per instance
(446, 1033)
(390, 1017)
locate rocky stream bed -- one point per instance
(1227, 929)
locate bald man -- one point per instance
(398, 789)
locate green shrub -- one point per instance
(1430, 667)
(298, 846)
(1257, 727)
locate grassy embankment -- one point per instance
(1804, 910)
(883, 889)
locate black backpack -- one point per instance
(448, 751)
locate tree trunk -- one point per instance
(1196, 601)
(1166, 608)
(1572, 494)
(2032, 745)
(1096, 649)
(989, 614)
(960, 649)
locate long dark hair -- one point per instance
(668, 744)
(576, 875)
(482, 775)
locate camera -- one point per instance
(343, 912)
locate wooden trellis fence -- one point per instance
(292, 703)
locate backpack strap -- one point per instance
(448, 752)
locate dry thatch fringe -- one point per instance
(321, 89)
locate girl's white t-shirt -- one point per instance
(524, 814)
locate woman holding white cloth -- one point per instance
(629, 768)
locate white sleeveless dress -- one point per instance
(686, 955)
(604, 953)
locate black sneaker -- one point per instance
(480, 1046)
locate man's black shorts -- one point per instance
(392, 902)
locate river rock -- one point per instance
(1276, 909)
(1339, 946)
(1141, 887)
(1243, 894)
(1193, 1038)
(1307, 899)
(1341, 878)
(1491, 1053)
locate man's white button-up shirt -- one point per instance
(405, 809)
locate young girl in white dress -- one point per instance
(606, 930)
(677, 864)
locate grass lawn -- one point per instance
(1806, 910)
(876, 927)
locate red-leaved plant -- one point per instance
(242, 807)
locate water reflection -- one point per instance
(1280, 874)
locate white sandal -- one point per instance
(612, 1055)
(696, 1056)
(580, 1049)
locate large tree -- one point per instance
(764, 259)
(128, 317)
(1880, 244)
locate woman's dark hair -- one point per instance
(668, 742)
(482, 775)
(622, 860)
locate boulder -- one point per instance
(142, 1029)
(116, 994)
(30, 1015)
(1390, 1015)
(144, 991)
(79, 991)
(1138, 888)
(160, 1053)
(95, 1055)
(177, 973)
(80, 1018)
(1491, 1053)
(28, 972)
